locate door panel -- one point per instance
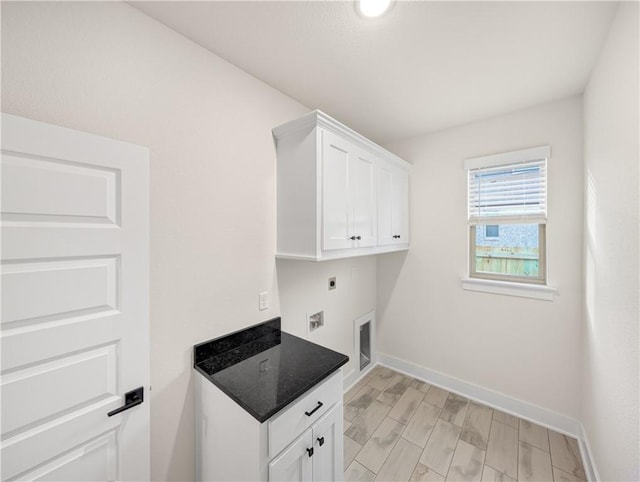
(96, 460)
(74, 329)
(34, 292)
(53, 439)
(57, 338)
(96, 368)
(66, 192)
(335, 192)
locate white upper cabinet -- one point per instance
(393, 204)
(334, 198)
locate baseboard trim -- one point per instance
(513, 406)
(588, 462)
(354, 376)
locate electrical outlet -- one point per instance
(316, 320)
(332, 283)
(263, 300)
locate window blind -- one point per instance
(510, 193)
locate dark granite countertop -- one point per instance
(263, 368)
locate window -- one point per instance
(507, 215)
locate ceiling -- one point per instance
(422, 67)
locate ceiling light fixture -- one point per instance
(373, 8)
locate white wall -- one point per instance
(524, 348)
(610, 388)
(304, 289)
(108, 69)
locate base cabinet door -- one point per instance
(295, 463)
(328, 447)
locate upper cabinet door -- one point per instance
(401, 205)
(336, 216)
(393, 204)
(385, 204)
(348, 195)
(362, 187)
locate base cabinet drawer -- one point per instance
(315, 456)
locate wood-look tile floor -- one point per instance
(397, 428)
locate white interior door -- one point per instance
(75, 289)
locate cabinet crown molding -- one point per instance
(317, 118)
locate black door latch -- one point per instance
(131, 399)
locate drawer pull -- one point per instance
(321, 441)
(310, 452)
(308, 414)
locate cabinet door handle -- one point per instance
(358, 238)
(308, 414)
(352, 238)
(310, 452)
(320, 441)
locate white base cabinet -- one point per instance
(316, 455)
(303, 442)
(339, 194)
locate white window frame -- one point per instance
(496, 282)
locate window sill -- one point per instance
(538, 292)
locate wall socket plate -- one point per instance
(332, 283)
(263, 300)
